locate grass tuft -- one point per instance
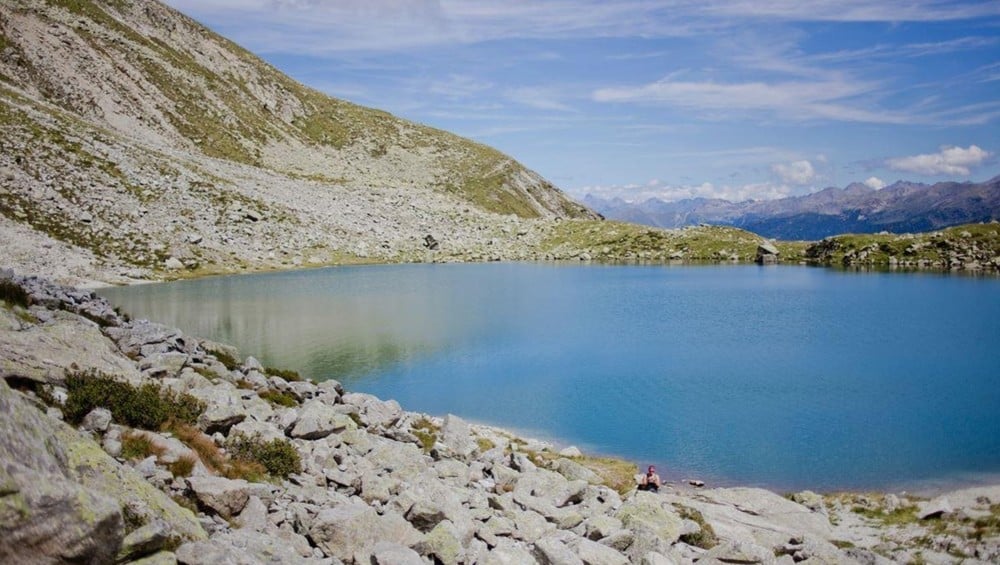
(147, 406)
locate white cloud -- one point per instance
(948, 161)
(875, 183)
(796, 172)
(798, 100)
(848, 10)
(639, 192)
(541, 98)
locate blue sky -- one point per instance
(735, 99)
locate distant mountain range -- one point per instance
(899, 208)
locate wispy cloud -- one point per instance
(539, 97)
(796, 172)
(640, 192)
(948, 161)
(796, 100)
(847, 10)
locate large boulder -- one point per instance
(646, 512)
(240, 547)
(456, 438)
(61, 495)
(373, 411)
(353, 529)
(317, 420)
(225, 497)
(44, 352)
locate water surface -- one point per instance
(786, 377)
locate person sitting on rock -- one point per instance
(650, 481)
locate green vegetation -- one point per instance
(183, 466)
(705, 538)
(287, 374)
(945, 248)
(616, 241)
(426, 431)
(279, 398)
(137, 445)
(278, 457)
(13, 294)
(484, 444)
(147, 406)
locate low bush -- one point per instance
(278, 397)
(12, 293)
(426, 433)
(278, 457)
(183, 466)
(136, 445)
(287, 374)
(146, 406)
(209, 453)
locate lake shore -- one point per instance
(433, 487)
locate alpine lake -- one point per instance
(786, 377)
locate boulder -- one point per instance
(145, 540)
(550, 550)
(225, 497)
(97, 420)
(317, 420)
(240, 547)
(738, 552)
(354, 528)
(576, 472)
(372, 411)
(45, 352)
(385, 553)
(645, 511)
(934, 508)
(456, 437)
(443, 544)
(593, 553)
(767, 253)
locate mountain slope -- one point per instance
(133, 134)
(901, 207)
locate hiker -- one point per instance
(650, 481)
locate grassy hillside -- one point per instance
(969, 247)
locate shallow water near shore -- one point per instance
(784, 377)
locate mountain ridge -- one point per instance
(900, 207)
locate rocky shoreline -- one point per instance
(206, 457)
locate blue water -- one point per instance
(786, 377)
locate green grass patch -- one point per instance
(484, 444)
(426, 432)
(287, 374)
(278, 457)
(137, 445)
(278, 398)
(705, 538)
(146, 406)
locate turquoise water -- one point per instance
(786, 377)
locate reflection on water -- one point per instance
(787, 377)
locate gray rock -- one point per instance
(508, 552)
(809, 499)
(173, 264)
(354, 528)
(253, 517)
(646, 512)
(551, 550)
(225, 497)
(239, 547)
(385, 553)
(161, 558)
(97, 420)
(45, 353)
(738, 552)
(372, 411)
(146, 540)
(656, 558)
(934, 508)
(456, 437)
(576, 472)
(317, 420)
(593, 553)
(443, 544)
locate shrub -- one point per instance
(209, 453)
(287, 374)
(136, 445)
(183, 466)
(226, 359)
(12, 293)
(426, 433)
(278, 397)
(146, 406)
(704, 538)
(278, 457)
